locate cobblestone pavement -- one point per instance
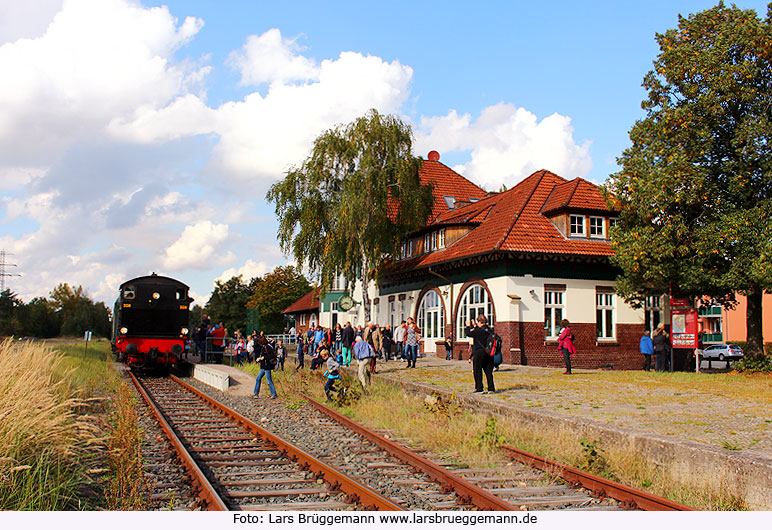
(725, 410)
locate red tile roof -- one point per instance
(447, 183)
(309, 302)
(514, 221)
(577, 194)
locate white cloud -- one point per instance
(262, 136)
(26, 19)
(507, 143)
(270, 58)
(250, 269)
(196, 247)
(97, 60)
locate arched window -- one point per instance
(312, 321)
(474, 301)
(431, 316)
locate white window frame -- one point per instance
(474, 301)
(431, 319)
(392, 313)
(653, 308)
(312, 321)
(571, 225)
(441, 238)
(302, 319)
(554, 311)
(600, 222)
(605, 311)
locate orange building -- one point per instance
(734, 320)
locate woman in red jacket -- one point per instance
(566, 344)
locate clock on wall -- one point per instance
(346, 303)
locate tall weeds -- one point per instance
(46, 441)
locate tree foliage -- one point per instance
(228, 303)
(78, 313)
(353, 200)
(276, 291)
(696, 184)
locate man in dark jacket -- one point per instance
(661, 343)
(267, 362)
(482, 360)
(347, 337)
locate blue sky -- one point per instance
(139, 137)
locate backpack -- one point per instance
(493, 347)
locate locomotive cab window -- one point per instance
(181, 294)
(128, 292)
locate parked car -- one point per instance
(722, 352)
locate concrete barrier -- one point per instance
(212, 377)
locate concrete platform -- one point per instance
(238, 383)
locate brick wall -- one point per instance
(524, 343)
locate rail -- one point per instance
(632, 497)
(356, 491)
(206, 491)
(466, 491)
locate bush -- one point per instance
(753, 365)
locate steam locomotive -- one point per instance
(150, 323)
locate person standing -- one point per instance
(301, 352)
(566, 344)
(281, 354)
(363, 352)
(399, 341)
(338, 338)
(481, 360)
(387, 341)
(347, 338)
(647, 350)
(267, 361)
(662, 346)
(412, 338)
(448, 349)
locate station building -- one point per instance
(526, 258)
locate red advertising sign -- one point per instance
(683, 327)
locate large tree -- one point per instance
(696, 183)
(276, 291)
(352, 201)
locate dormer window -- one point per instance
(597, 227)
(441, 238)
(450, 201)
(577, 225)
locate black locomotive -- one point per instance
(150, 322)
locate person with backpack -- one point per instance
(566, 344)
(482, 358)
(331, 375)
(267, 362)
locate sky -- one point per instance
(140, 137)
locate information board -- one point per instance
(684, 328)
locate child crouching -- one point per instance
(332, 373)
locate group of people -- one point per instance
(210, 340)
(659, 346)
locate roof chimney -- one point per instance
(434, 156)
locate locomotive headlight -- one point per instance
(124, 330)
(156, 295)
(184, 331)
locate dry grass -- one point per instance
(127, 488)
(46, 440)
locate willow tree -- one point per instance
(696, 183)
(348, 206)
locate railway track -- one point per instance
(249, 471)
(235, 464)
